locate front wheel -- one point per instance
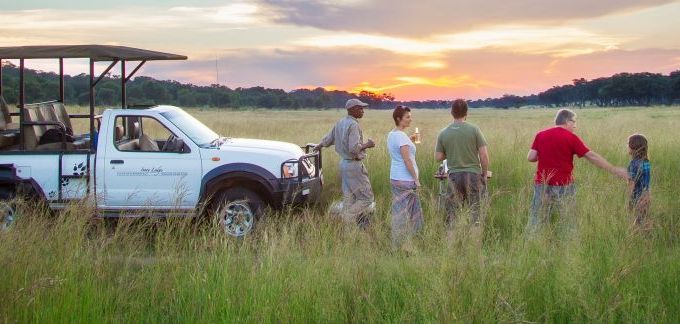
(237, 210)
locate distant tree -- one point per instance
(268, 101)
(675, 84)
(186, 98)
(622, 89)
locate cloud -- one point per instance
(407, 18)
(236, 13)
(470, 74)
(436, 49)
(555, 41)
(134, 25)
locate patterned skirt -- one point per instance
(407, 215)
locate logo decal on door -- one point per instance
(151, 172)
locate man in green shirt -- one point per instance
(463, 146)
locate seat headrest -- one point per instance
(32, 114)
(120, 132)
(47, 113)
(135, 130)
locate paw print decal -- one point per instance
(79, 169)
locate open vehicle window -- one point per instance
(141, 134)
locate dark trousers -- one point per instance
(465, 189)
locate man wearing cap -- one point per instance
(348, 139)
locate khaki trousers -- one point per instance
(356, 191)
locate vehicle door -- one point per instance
(144, 170)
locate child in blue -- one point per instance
(639, 171)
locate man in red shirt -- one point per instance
(554, 149)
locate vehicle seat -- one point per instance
(120, 133)
(146, 144)
(8, 139)
(126, 144)
(47, 114)
(32, 133)
(61, 115)
(9, 132)
(6, 118)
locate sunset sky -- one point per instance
(429, 49)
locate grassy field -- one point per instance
(302, 266)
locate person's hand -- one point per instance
(413, 137)
(317, 147)
(418, 186)
(621, 173)
(369, 144)
(483, 178)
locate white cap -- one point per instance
(355, 102)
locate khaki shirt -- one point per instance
(347, 137)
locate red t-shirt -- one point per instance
(556, 147)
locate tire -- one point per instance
(236, 210)
(8, 215)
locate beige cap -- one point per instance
(355, 102)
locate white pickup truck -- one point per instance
(162, 159)
(140, 162)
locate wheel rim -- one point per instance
(237, 218)
(7, 216)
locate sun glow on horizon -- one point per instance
(457, 82)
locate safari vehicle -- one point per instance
(139, 162)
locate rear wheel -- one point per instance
(236, 211)
(8, 215)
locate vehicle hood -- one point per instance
(247, 143)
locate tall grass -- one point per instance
(302, 266)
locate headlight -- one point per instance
(290, 170)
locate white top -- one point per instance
(398, 171)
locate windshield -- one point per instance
(199, 133)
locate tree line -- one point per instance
(623, 89)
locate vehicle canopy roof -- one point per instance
(95, 52)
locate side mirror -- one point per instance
(181, 147)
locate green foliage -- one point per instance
(624, 89)
(303, 266)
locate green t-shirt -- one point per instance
(460, 142)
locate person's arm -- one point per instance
(532, 156)
(602, 163)
(631, 186)
(354, 141)
(406, 156)
(369, 144)
(439, 154)
(483, 153)
(327, 140)
(631, 180)
(484, 161)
